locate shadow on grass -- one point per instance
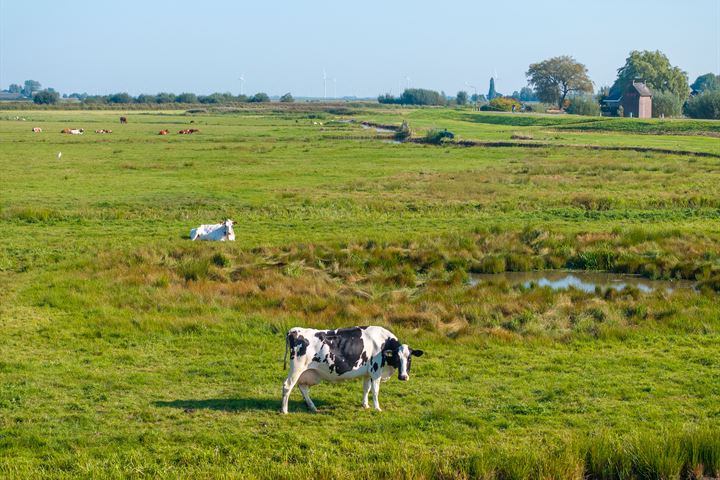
(232, 404)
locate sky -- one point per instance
(366, 47)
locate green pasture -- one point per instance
(127, 351)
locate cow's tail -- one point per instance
(287, 347)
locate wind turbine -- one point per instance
(324, 85)
(334, 87)
(242, 82)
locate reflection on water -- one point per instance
(377, 129)
(585, 281)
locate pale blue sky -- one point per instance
(369, 46)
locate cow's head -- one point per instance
(400, 356)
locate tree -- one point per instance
(46, 97)
(655, 70)
(584, 105)
(259, 97)
(145, 98)
(119, 98)
(461, 98)
(387, 98)
(666, 104)
(15, 88)
(30, 87)
(527, 95)
(703, 83)
(287, 98)
(164, 97)
(421, 96)
(553, 79)
(491, 92)
(705, 105)
(475, 98)
(186, 98)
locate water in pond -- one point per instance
(377, 129)
(585, 281)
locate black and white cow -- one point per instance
(370, 353)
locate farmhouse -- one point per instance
(636, 101)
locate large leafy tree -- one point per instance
(30, 87)
(555, 78)
(655, 70)
(461, 98)
(706, 83)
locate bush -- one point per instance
(46, 97)
(438, 136)
(705, 105)
(259, 98)
(287, 98)
(584, 106)
(501, 104)
(666, 104)
(404, 131)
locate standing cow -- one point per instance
(219, 232)
(123, 120)
(370, 353)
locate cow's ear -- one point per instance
(417, 353)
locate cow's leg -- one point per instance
(366, 391)
(288, 385)
(376, 393)
(305, 390)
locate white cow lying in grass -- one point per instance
(218, 232)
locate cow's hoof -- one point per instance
(366, 406)
(378, 409)
(283, 412)
(312, 410)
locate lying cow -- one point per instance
(37, 130)
(103, 130)
(372, 353)
(218, 232)
(73, 131)
(188, 131)
(164, 132)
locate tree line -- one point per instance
(32, 90)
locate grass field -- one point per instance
(128, 351)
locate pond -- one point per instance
(582, 280)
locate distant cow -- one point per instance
(370, 353)
(218, 232)
(103, 130)
(123, 119)
(188, 131)
(73, 131)
(164, 132)
(37, 130)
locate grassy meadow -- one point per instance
(127, 351)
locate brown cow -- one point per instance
(123, 119)
(164, 132)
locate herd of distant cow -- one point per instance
(123, 120)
